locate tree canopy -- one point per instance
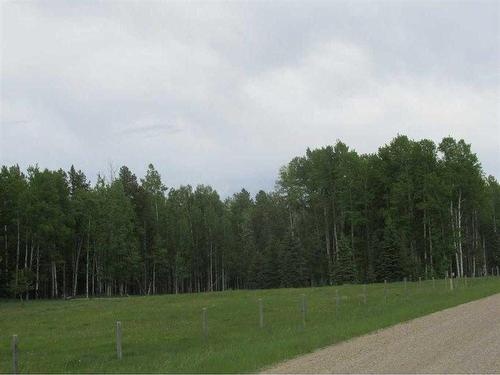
(413, 209)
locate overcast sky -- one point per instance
(226, 93)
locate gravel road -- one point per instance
(462, 339)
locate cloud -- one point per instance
(333, 92)
(225, 93)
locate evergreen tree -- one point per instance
(293, 267)
(345, 271)
(389, 265)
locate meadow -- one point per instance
(164, 333)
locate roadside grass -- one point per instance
(164, 333)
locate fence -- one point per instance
(450, 285)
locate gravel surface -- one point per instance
(462, 339)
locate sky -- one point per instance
(225, 93)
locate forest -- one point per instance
(413, 209)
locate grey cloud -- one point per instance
(224, 93)
(149, 130)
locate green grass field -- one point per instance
(164, 333)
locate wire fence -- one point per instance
(390, 294)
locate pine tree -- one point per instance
(345, 269)
(293, 267)
(389, 265)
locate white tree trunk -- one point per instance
(75, 270)
(87, 274)
(461, 272)
(37, 270)
(154, 277)
(5, 248)
(26, 251)
(485, 267)
(430, 249)
(17, 252)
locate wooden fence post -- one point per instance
(261, 313)
(451, 284)
(205, 323)
(419, 281)
(433, 283)
(385, 291)
(304, 310)
(337, 303)
(15, 365)
(119, 339)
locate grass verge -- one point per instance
(164, 333)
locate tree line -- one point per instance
(413, 209)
